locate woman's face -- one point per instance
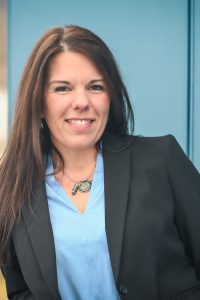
(76, 102)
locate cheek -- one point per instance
(52, 108)
(105, 107)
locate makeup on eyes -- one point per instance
(63, 87)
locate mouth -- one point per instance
(79, 122)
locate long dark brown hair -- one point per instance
(28, 143)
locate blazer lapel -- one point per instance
(39, 230)
(116, 176)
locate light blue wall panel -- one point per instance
(148, 38)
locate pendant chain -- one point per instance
(83, 185)
(75, 181)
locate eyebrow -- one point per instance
(58, 81)
(67, 82)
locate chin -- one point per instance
(81, 146)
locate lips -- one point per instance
(79, 121)
(80, 124)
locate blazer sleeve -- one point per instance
(185, 182)
(16, 286)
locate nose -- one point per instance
(80, 100)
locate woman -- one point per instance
(88, 211)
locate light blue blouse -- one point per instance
(82, 257)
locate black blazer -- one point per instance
(152, 203)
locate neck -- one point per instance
(77, 160)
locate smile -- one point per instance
(79, 122)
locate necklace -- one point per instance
(83, 185)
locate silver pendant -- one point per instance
(82, 186)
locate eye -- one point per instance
(62, 89)
(97, 88)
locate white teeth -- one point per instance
(79, 122)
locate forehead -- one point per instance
(72, 63)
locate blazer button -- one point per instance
(123, 289)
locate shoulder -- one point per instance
(141, 143)
(163, 144)
(164, 147)
(165, 150)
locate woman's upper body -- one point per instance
(151, 221)
(71, 104)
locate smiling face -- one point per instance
(76, 102)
